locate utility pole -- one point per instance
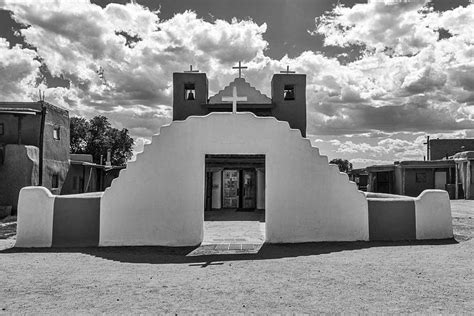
(428, 156)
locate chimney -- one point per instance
(108, 163)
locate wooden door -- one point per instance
(231, 186)
(249, 189)
(440, 180)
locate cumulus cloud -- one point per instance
(408, 79)
(378, 26)
(18, 68)
(91, 47)
(139, 146)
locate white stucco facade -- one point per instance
(159, 198)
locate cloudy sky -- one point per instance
(380, 77)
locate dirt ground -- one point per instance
(424, 277)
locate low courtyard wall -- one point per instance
(47, 220)
(395, 217)
(433, 215)
(35, 218)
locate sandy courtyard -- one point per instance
(427, 277)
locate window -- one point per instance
(56, 133)
(2, 129)
(189, 91)
(75, 181)
(289, 92)
(55, 181)
(420, 177)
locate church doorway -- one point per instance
(234, 216)
(235, 182)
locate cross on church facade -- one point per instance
(240, 67)
(287, 71)
(191, 69)
(234, 98)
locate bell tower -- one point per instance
(289, 99)
(190, 93)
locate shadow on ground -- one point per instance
(181, 255)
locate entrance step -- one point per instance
(225, 249)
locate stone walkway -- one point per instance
(232, 232)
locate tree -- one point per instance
(96, 136)
(79, 127)
(343, 164)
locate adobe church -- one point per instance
(238, 182)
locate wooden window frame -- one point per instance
(55, 181)
(58, 130)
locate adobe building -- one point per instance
(238, 182)
(360, 177)
(464, 175)
(34, 148)
(86, 176)
(445, 148)
(412, 177)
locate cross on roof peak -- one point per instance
(191, 69)
(234, 98)
(287, 71)
(240, 67)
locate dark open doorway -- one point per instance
(235, 182)
(234, 201)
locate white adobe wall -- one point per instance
(35, 218)
(216, 189)
(260, 190)
(159, 199)
(433, 215)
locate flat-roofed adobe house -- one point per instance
(232, 181)
(360, 177)
(34, 148)
(85, 176)
(464, 175)
(412, 177)
(445, 148)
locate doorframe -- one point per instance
(208, 183)
(241, 197)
